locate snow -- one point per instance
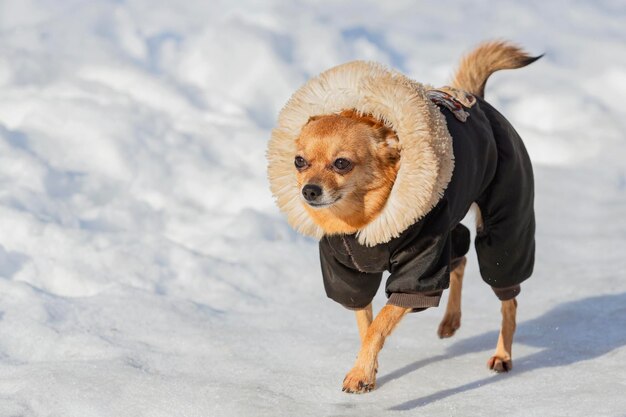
(145, 270)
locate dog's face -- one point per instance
(346, 165)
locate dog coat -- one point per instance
(453, 153)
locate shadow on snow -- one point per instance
(571, 332)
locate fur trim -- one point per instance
(426, 161)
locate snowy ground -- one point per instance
(145, 271)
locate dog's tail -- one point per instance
(489, 57)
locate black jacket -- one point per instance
(492, 168)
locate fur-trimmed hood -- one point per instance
(426, 161)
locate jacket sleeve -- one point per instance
(420, 266)
(347, 286)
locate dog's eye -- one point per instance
(300, 162)
(342, 165)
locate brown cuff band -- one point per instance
(507, 293)
(416, 301)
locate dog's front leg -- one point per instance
(363, 320)
(502, 360)
(362, 378)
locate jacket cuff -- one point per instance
(507, 293)
(415, 301)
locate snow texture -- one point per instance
(145, 270)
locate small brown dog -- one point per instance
(382, 169)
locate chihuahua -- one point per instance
(381, 169)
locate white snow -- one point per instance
(145, 270)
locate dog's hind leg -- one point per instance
(502, 361)
(362, 378)
(452, 318)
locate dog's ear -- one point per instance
(389, 146)
(391, 140)
(312, 119)
(388, 142)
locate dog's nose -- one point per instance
(311, 192)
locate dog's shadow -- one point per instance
(571, 332)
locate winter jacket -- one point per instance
(449, 160)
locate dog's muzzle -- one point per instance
(311, 192)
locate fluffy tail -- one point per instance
(489, 57)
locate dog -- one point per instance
(381, 169)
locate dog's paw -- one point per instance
(358, 382)
(498, 364)
(449, 325)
